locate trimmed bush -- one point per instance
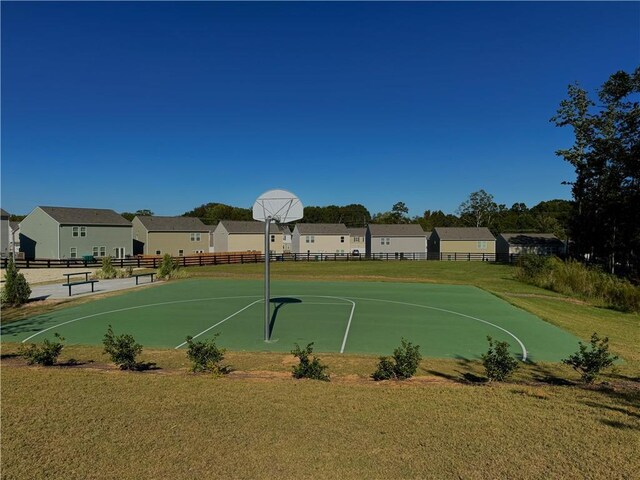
(589, 363)
(308, 368)
(16, 290)
(206, 356)
(402, 365)
(122, 349)
(498, 362)
(45, 353)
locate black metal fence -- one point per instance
(240, 258)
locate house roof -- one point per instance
(357, 232)
(464, 233)
(85, 216)
(322, 229)
(3, 212)
(240, 226)
(172, 224)
(396, 230)
(546, 239)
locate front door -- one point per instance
(119, 252)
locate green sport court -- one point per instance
(344, 317)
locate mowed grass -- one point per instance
(65, 423)
(93, 421)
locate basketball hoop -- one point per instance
(278, 206)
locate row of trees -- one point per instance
(479, 210)
(605, 224)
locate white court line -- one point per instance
(134, 308)
(221, 321)
(524, 350)
(353, 307)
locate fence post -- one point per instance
(154, 262)
(48, 263)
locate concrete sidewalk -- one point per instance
(51, 291)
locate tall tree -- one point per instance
(479, 209)
(606, 159)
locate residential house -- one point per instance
(5, 237)
(14, 238)
(407, 240)
(320, 238)
(462, 243)
(539, 243)
(64, 232)
(358, 239)
(286, 238)
(246, 236)
(177, 236)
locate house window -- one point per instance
(388, 240)
(482, 245)
(99, 251)
(180, 253)
(83, 231)
(74, 231)
(310, 239)
(103, 251)
(195, 237)
(198, 251)
(381, 241)
(73, 252)
(157, 252)
(273, 238)
(341, 239)
(78, 231)
(356, 239)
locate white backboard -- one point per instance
(279, 206)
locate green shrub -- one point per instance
(498, 363)
(16, 290)
(402, 365)
(589, 363)
(107, 270)
(122, 349)
(206, 356)
(169, 269)
(308, 368)
(45, 353)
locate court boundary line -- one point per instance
(221, 321)
(133, 308)
(524, 349)
(522, 346)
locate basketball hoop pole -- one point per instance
(267, 293)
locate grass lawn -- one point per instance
(93, 421)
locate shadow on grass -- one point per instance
(145, 366)
(619, 425)
(462, 375)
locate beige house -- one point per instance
(320, 238)
(400, 240)
(246, 236)
(455, 243)
(177, 236)
(358, 239)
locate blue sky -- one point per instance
(165, 106)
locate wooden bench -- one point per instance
(149, 274)
(70, 284)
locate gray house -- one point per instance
(320, 238)
(246, 236)
(539, 243)
(14, 237)
(63, 232)
(401, 240)
(4, 233)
